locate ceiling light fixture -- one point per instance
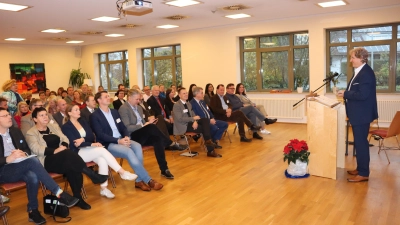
(73, 42)
(54, 31)
(237, 16)
(168, 26)
(15, 39)
(105, 19)
(182, 3)
(12, 7)
(332, 4)
(114, 35)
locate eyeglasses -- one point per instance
(38, 106)
(6, 115)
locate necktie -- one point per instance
(204, 110)
(162, 108)
(187, 110)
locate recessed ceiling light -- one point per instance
(105, 19)
(15, 39)
(182, 3)
(53, 31)
(331, 4)
(237, 16)
(168, 26)
(12, 7)
(74, 42)
(114, 35)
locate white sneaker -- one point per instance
(264, 131)
(128, 176)
(106, 193)
(5, 199)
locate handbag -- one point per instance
(54, 207)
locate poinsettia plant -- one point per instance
(296, 149)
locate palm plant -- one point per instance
(77, 77)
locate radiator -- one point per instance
(387, 109)
(282, 108)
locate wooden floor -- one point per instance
(246, 186)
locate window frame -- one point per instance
(107, 63)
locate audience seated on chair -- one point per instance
(169, 100)
(190, 93)
(159, 107)
(70, 97)
(23, 110)
(120, 99)
(208, 93)
(4, 104)
(89, 109)
(27, 121)
(60, 115)
(147, 93)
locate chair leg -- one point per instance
(121, 161)
(111, 177)
(83, 192)
(5, 221)
(229, 136)
(236, 126)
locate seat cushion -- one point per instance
(381, 133)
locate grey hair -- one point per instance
(197, 90)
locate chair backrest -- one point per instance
(394, 128)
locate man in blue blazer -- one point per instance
(361, 109)
(200, 108)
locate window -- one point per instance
(114, 70)
(162, 65)
(275, 61)
(383, 44)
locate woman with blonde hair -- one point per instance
(23, 109)
(52, 104)
(10, 93)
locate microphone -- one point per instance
(331, 77)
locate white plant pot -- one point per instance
(297, 169)
(300, 90)
(334, 90)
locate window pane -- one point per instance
(163, 72)
(146, 52)
(126, 55)
(103, 76)
(274, 70)
(126, 83)
(249, 43)
(147, 73)
(339, 36)
(178, 72)
(398, 67)
(338, 59)
(378, 59)
(250, 70)
(178, 50)
(102, 57)
(116, 75)
(162, 51)
(115, 56)
(301, 69)
(274, 41)
(301, 39)
(398, 32)
(372, 34)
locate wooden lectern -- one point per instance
(325, 136)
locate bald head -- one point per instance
(61, 105)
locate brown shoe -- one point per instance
(352, 172)
(142, 185)
(155, 185)
(209, 143)
(357, 178)
(213, 154)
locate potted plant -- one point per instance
(296, 153)
(77, 77)
(300, 83)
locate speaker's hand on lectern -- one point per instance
(340, 93)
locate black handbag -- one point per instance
(54, 207)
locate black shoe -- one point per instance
(167, 174)
(83, 205)
(196, 137)
(178, 147)
(3, 210)
(95, 177)
(244, 139)
(217, 146)
(255, 128)
(257, 136)
(67, 199)
(270, 121)
(35, 217)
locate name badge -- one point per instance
(185, 110)
(118, 120)
(149, 107)
(143, 116)
(227, 101)
(207, 108)
(51, 121)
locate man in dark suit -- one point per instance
(200, 108)
(89, 109)
(159, 107)
(61, 107)
(223, 111)
(361, 109)
(15, 166)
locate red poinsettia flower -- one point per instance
(287, 149)
(296, 149)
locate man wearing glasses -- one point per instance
(4, 104)
(27, 121)
(147, 94)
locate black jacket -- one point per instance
(18, 141)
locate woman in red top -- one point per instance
(78, 101)
(22, 110)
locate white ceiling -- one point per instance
(74, 16)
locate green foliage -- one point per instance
(293, 156)
(77, 77)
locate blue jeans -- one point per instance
(218, 129)
(134, 155)
(31, 172)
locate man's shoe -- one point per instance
(178, 147)
(106, 193)
(155, 185)
(255, 128)
(68, 199)
(352, 172)
(128, 176)
(244, 139)
(217, 146)
(209, 143)
(213, 154)
(142, 185)
(35, 217)
(3, 210)
(270, 121)
(196, 137)
(357, 178)
(167, 174)
(83, 205)
(257, 136)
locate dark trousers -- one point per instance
(252, 113)
(31, 172)
(163, 125)
(240, 119)
(218, 129)
(151, 135)
(69, 163)
(361, 144)
(203, 128)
